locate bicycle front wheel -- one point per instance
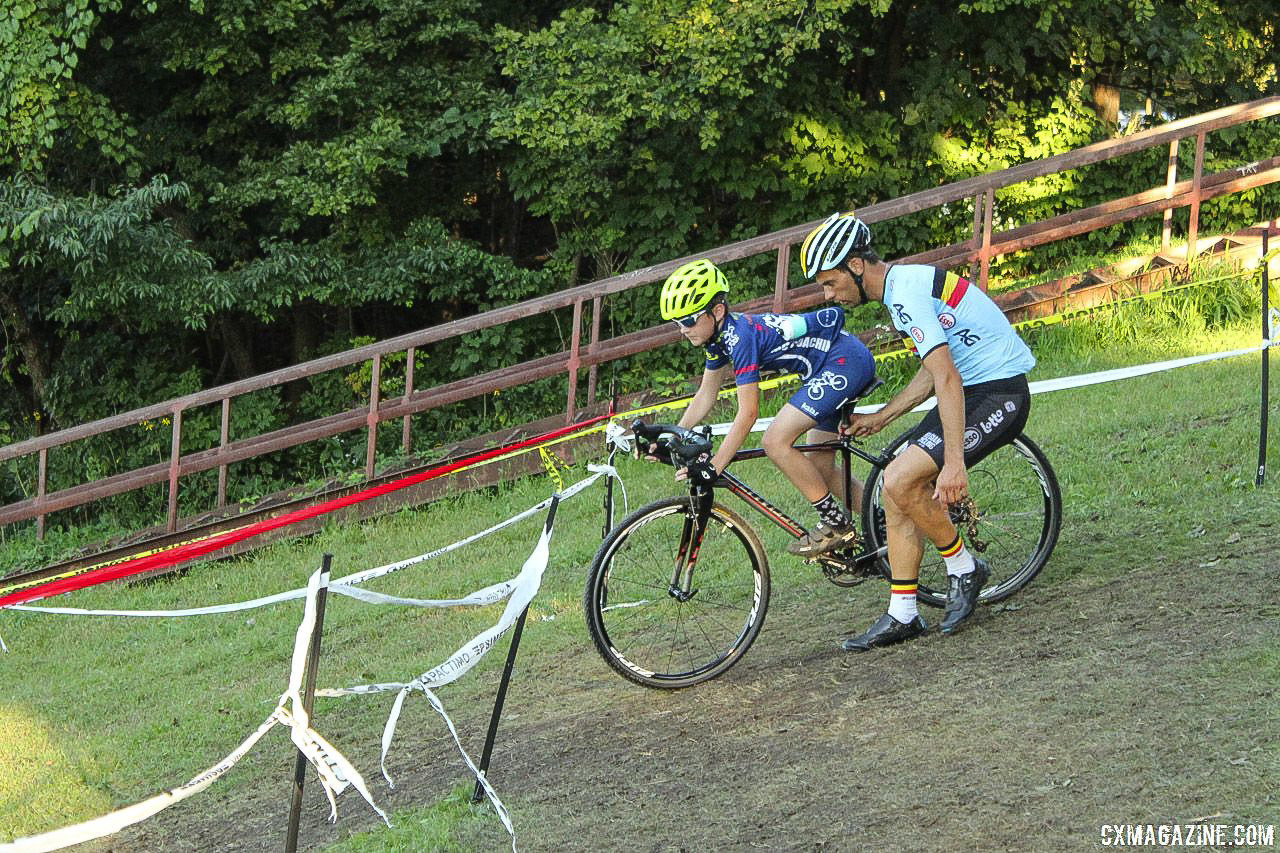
(670, 635)
(1019, 515)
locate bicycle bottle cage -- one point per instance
(675, 444)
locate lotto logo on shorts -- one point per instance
(993, 420)
(971, 438)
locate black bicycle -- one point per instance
(679, 589)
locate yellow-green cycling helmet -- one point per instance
(691, 288)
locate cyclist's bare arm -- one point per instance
(705, 397)
(919, 389)
(743, 421)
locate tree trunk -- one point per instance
(34, 352)
(239, 345)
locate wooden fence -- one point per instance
(978, 250)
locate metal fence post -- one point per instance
(308, 699)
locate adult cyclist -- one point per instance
(833, 366)
(975, 364)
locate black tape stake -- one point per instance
(608, 498)
(613, 451)
(1266, 362)
(308, 694)
(492, 735)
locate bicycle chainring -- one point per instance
(843, 568)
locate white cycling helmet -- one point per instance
(828, 245)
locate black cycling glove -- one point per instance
(701, 471)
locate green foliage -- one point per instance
(354, 169)
(106, 256)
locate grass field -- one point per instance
(1136, 679)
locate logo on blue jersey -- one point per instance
(829, 318)
(946, 320)
(818, 385)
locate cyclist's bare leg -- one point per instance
(832, 473)
(779, 445)
(911, 512)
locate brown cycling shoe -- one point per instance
(885, 632)
(822, 539)
(962, 595)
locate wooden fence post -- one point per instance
(371, 419)
(175, 457)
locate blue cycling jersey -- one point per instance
(932, 307)
(788, 343)
(833, 365)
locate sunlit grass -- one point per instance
(102, 712)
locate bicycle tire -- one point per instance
(1020, 516)
(648, 635)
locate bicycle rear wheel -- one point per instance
(1019, 516)
(656, 635)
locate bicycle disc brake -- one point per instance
(965, 512)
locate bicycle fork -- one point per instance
(695, 527)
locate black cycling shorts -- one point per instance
(994, 414)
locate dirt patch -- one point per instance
(1146, 696)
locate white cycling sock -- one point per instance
(902, 601)
(957, 557)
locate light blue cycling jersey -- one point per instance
(932, 307)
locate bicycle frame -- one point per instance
(696, 525)
(758, 502)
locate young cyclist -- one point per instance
(833, 366)
(976, 365)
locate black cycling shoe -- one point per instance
(885, 632)
(962, 595)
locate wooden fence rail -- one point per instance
(984, 244)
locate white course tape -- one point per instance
(1060, 384)
(480, 776)
(489, 595)
(114, 822)
(526, 585)
(336, 773)
(343, 585)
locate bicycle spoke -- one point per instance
(672, 638)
